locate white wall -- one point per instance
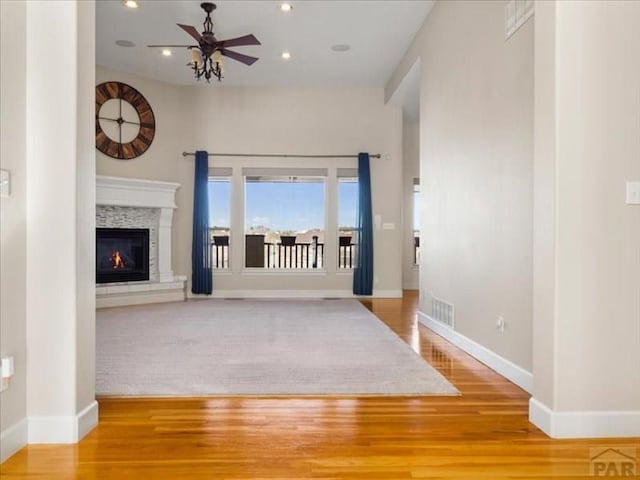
(410, 170)
(270, 120)
(13, 227)
(587, 319)
(476, 164)
(598, 150)
(85, 206)
(48, 309)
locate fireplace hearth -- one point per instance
(122, 255)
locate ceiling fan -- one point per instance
(206, 56)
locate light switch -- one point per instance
(5, 183)
(633, 193)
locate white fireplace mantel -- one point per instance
(138, 193)
(134, 192)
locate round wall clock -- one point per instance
(125, 124)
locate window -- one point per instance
(284, 218)
(416, 221)
(347, 217)
(220, 219)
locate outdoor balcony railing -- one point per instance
(286, 254)
(294, 255)
(346, 250)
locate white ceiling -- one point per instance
(379, 33)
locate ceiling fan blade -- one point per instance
(246, 59)
(172, 46)
(238, 42)
(191, 30)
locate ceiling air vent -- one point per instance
(516, 13)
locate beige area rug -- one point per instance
(256, 347)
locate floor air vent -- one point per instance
(442, 311)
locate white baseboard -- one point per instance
(63, 429)
(296, 294)
(590, 424)
(506, 368)
(87, 419)
(13, 439)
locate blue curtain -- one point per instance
(201, 281)
(363, 272)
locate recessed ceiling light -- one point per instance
(125, 43)
(130, 3)
(286, 55)
(341, 47)
(286, 7)
(166, 52)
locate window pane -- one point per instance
(219, 220)
(284, 222)
(347, 212)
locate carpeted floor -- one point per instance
(256, 347)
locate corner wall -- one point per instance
(476, 166)
(587, 250)
(13, 225)
(48, 313)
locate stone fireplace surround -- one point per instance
(137, 203)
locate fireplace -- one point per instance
(122, 255)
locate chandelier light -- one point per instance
(206, 56)
(206, 59)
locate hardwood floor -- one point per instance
(482, 434)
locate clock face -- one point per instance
(125, 124)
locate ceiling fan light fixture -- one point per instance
(130, 3)
(196, 57)
(206, 56)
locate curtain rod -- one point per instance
(187, 154)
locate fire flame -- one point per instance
(116, 260)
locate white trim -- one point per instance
(590, 424)
(140, 298)
(87, 419)
(134, 192)
(13, 439)
(138, 293)
(296, 294)
(63, 429)
(506, 368)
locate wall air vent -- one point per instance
(442, 311)
(516, 13)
